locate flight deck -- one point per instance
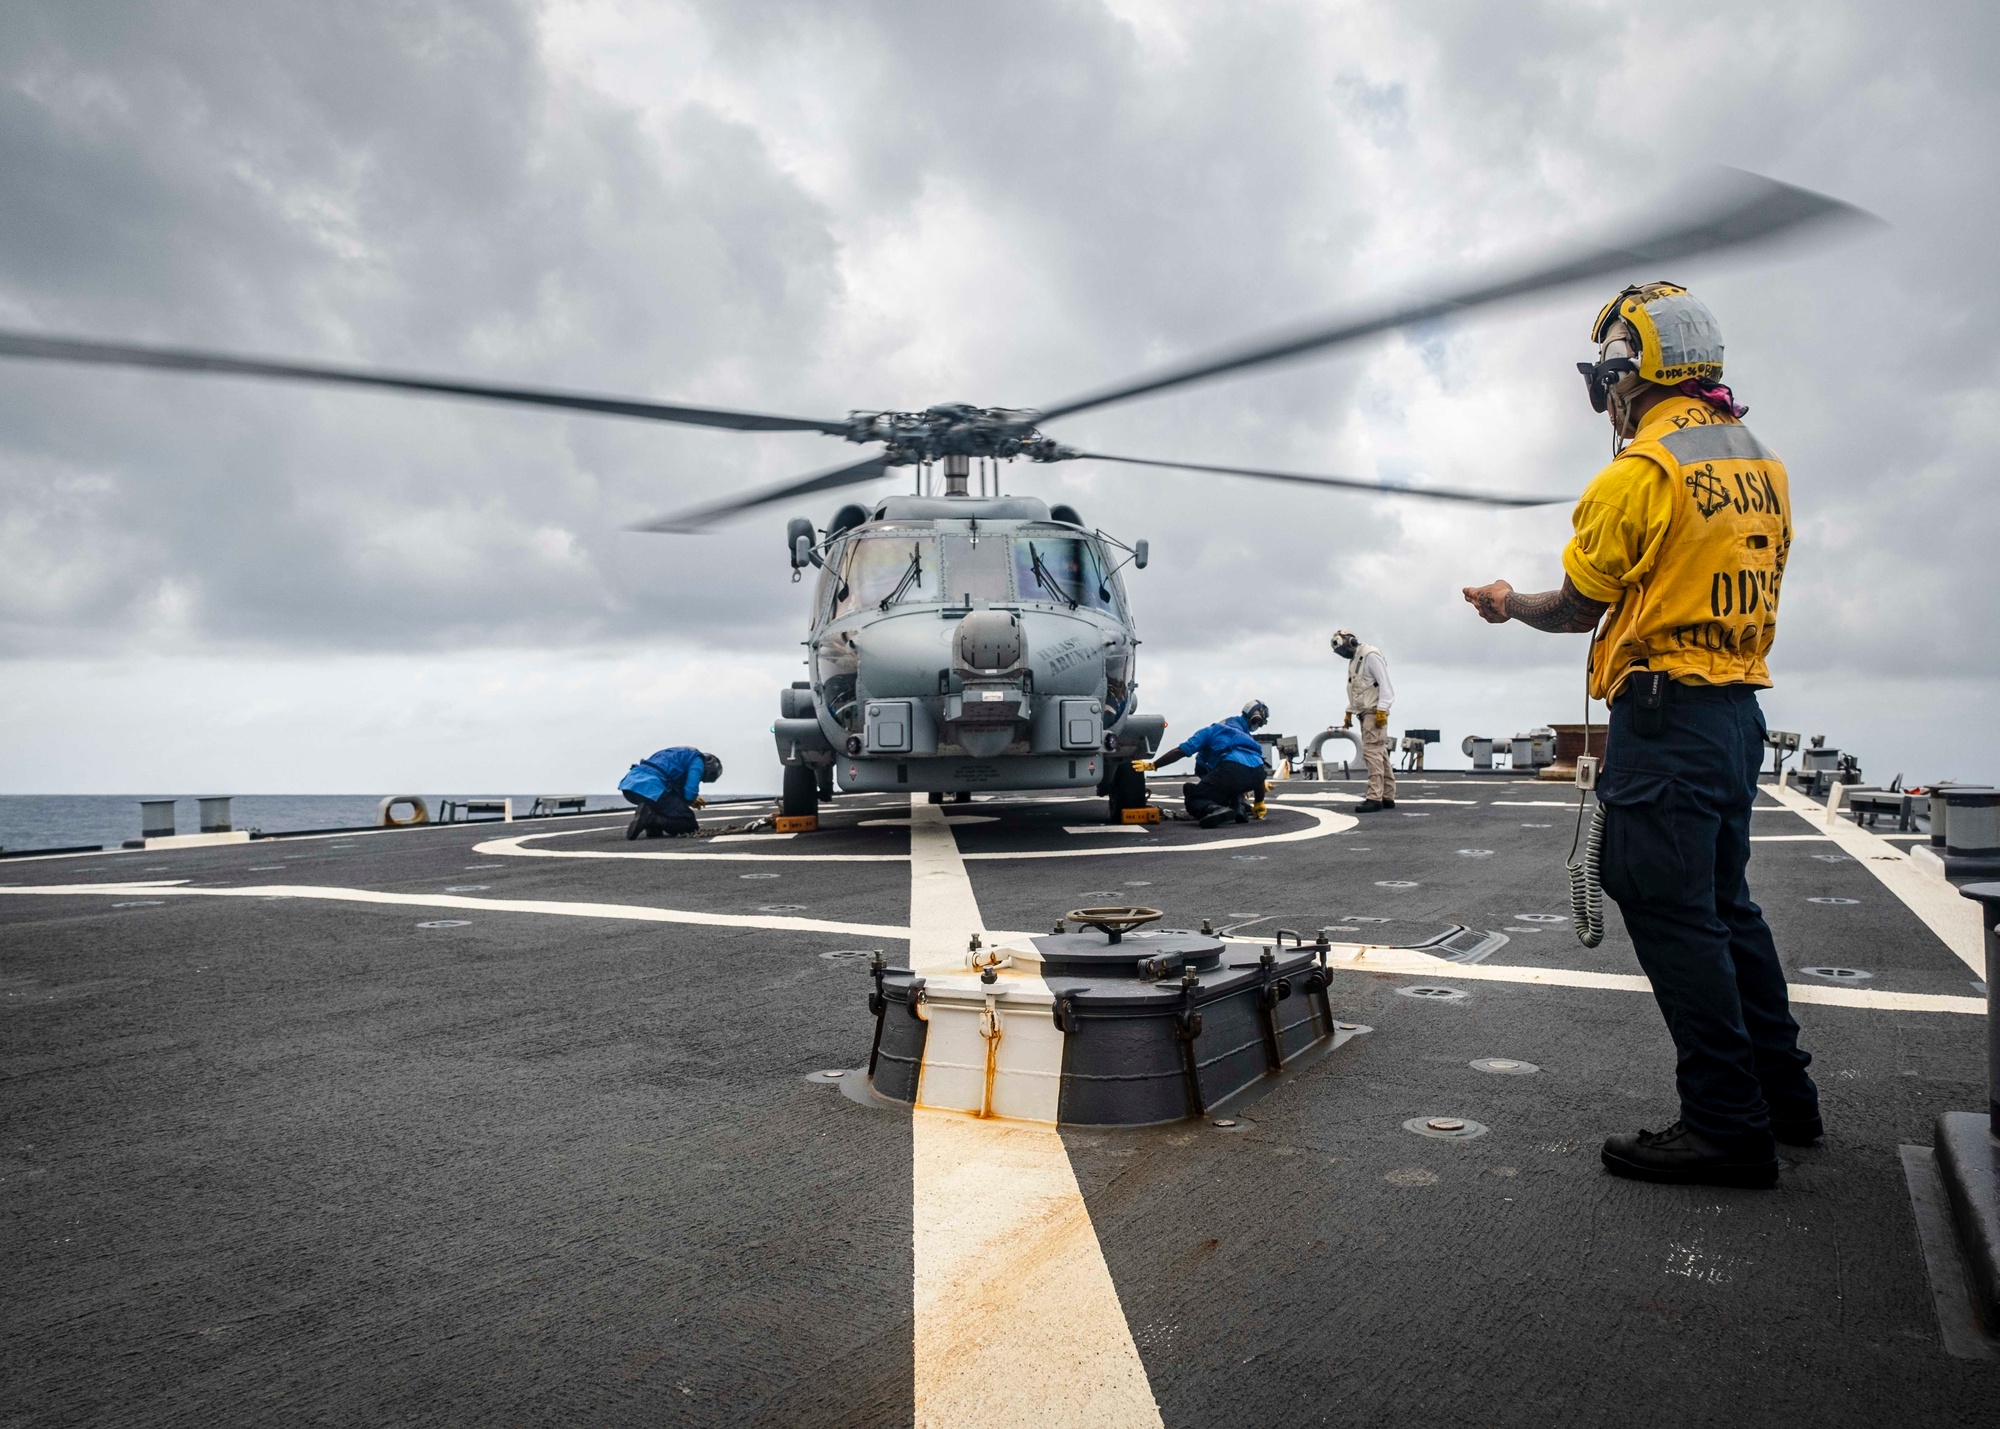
(529, 1124)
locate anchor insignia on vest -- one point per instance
(1709, 494)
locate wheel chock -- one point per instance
(797, 823)
(1144, 814)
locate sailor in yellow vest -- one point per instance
(1369, 695)
(1683, 539)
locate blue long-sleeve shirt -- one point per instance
(678, 769)
(1230, 741)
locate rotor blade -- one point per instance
(1346, 483)
(174, 359)
(1751, 209)
(685, 522)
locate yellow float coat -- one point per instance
(1686, 536)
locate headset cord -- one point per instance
(1586, 893)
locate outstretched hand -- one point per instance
(1490, 601)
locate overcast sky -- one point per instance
(806, 208)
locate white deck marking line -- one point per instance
(513, 848)
(1143, 830)
(1955, 920)
(1407, 962)
(1356, 798)
(948, 818)
(1531, 803)
(1790, 838)
(1002, 1237)
(1325, 822)
(633, 912)
(1354, 957)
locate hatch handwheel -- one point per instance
(1114, 923)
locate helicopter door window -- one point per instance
(976, 569)
(1065, 569)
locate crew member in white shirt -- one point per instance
(1369, 695)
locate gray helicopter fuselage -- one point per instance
(964, 643)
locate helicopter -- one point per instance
(963, 640)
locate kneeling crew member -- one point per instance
(666, 788)
(1683, 538)
(1369, 695)
(1228, 764)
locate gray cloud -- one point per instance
(805, 208)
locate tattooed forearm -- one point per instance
(1560, 612)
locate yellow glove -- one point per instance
(1347, 720)
(699, 803)
(1381, 719)
(1144, 766)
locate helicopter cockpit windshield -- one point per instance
(976, 567)
(881, 569)
(1063, 568)
(887, 568)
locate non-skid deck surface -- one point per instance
(275, 1151)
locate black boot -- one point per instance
(1799, 1130)
(1388, 803)
(1217, 817)
(1369, 806)
(1683, 1157)
(638, 823)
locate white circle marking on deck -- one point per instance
(1324, 822)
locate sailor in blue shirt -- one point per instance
(1228, 764)
(666, 787)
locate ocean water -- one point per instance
(32, 821)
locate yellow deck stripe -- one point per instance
(1017, 1318)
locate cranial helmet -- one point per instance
(1256, 714)
(1651, 332)
(711, 769)
(1345, 637)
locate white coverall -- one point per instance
(1369, 691)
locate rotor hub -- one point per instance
(956, 429)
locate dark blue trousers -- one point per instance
(1220, 786)
(668, 814)
(1676, 849)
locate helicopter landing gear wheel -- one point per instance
(801, 795)
(936, 796)
(825, 773)
(963, 796)
(1127, 788)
